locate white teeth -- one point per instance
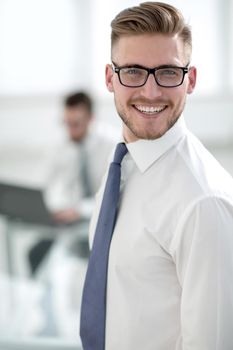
(150, 110)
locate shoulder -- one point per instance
(99, 142)
(64, 153)
(199, 169)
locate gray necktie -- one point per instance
(93, 310)
(85, 172)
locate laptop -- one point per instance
(24, 204)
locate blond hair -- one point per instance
(150, 18)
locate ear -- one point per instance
(192, 76)
(108, 77)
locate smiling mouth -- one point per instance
(149, 110)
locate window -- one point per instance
(39, 46)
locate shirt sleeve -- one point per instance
(204, 260)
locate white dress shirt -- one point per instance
(170, 273)
(65, 184)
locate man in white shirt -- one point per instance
(79, 164)
(170, 265)
(77, 169)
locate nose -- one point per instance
(151, 89)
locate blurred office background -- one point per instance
(49, 48)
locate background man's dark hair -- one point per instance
(79, 98)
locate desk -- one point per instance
(12, 225)
(38, 344)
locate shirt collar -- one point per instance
(146, 152)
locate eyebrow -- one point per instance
(134, 65)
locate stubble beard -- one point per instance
(151, 134)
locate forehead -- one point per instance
(149, 50)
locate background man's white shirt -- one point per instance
(65, 184)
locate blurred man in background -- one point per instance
(76, 171)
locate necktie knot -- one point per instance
(120, 152)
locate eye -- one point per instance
(132, 71)
(169, 72)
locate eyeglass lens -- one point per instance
(134, 76)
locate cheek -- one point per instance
(123, 98)
(180, 94)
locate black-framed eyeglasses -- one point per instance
(136, 76)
